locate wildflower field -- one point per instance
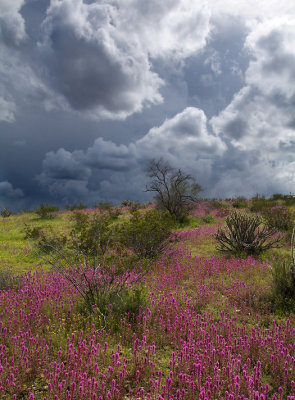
(207, 329)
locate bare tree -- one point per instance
(175, 191)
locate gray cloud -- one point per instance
(10, 197)
(12, 26)
(117, 170)
(260, 115)
(7, 109)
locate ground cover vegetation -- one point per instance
(132, 302)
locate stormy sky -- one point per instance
(91, 90)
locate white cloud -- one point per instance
(7, 110)
(261, 115)
(12, 25)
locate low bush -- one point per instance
(240, 202)
(260, 203)
(5, 213)
(147, 235)
(91, 235)
(279, 218)
(243, 234)
(46, 211)
(45, 241)
(208, 219)
(283, 274)
(111, 306)
(73, 207)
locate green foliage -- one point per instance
(104, 205)
(279, 218)
(5, 213)
(243, 234)
(217, 204)
(45, 241)
(114, 212)
(283, 274)
(111, 306)
(208, 219)
(147, 235)
(46, 211)
(126, 203)
(73, 207)
(258, 203)
(91, 235)
(240, 202)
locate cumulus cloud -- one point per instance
(172, 29)
(98, 55)
(8, 192)
(261, 114)
(108, 169)
(92, 64)
(12, 24)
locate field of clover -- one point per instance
(204, 326)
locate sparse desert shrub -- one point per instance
(114, 212)
(5, 213)
(147, 235)
(46, 211)
(45, 241)
(259, 203)
(240, 202)
(91, 235)
(283, 274)
(279, 218)
(32, 232)
(208, 219)
(126, 203)
(243, 234)
(79, 206)
(88, 260)
(104, 205)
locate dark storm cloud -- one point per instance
(91, 90)
(64, 165)
(9, 192)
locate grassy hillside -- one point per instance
(199, 325)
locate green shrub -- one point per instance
(283, 274)
(240, 202)
(91, 235)
(147, 235)
(111, 306)
(243, 234)
(208, 219)
(259, 203)
(114, 212)
(46, 211)
(73, 207)
(104, 205)
(47, 242)
(279, 218)
(5, 213)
